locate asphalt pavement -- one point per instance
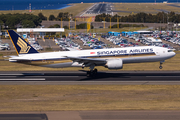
(92, 115)
(98, 8)
(102, 77)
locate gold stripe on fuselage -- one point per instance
(47, 62)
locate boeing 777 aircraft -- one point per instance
(112, 58)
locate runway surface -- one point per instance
(93, 115)
(99, 9)
(102, 78)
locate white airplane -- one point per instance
(113, 58)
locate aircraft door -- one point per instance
(157, 51)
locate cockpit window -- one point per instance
(170, 50)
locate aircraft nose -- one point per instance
(173, 54)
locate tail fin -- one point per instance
(21, 46)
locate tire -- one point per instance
(88, 74)
(95, 71)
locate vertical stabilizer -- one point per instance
(21, 46)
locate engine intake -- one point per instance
(114, 64)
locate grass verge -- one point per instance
(153, 8)
(89, 97)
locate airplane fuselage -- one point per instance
(68, 58)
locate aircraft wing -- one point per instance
(87, 61)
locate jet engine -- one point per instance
(114, 64)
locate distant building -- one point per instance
(165, 1)
(40, 31)
(114, 33)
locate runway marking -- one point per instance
(162, 76)
(59, 76)
(100, 8)
(65, 76)
(87, 10)
(21, 74)
(10, 74)
(17, 79)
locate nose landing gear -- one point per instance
(161, 62)
(160, 67)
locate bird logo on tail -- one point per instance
(24, 47)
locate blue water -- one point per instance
(58, 4)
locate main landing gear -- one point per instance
(92, 71)
(161, 62)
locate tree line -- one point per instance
(126, 25)
(61, 16)
(80, 26)
(141, 17)
(12, 21)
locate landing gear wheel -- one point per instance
(88, 73)
(95, 71)
(161, 62)
(91, 73)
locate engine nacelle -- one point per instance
(114, 64)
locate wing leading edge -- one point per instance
(87, 61)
